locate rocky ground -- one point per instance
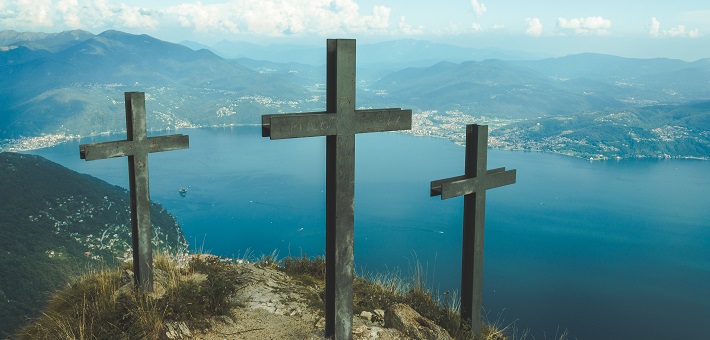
(272, 305)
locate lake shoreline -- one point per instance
(27, 144)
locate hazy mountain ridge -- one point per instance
(57, 223)
(401, 52)
(492, 88)
(375, 60)
(78, 90)
(305, 75)
(20, 54)
(43, 41)
(548, 87)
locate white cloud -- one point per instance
(654, 28)
(69, 11)
(26, 13)
(679, 31)
(95, 14)
(72, 14)
(135, 17)
(478, 7)
(282, 17)
(586, 26)
(407, 29)
(452, 28)
(264, 17)
(534, 27)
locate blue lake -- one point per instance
(607, 250)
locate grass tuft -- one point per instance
(104, 305)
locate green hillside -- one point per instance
(655, 131)
(56, 223)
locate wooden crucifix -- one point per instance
(339, 123)
(472, 186)
(137, 146)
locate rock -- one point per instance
(126, 276)
(296, 312)
(365, 332)
(320, 324)
(158, 291)
(126, 289)
(379, 315)
(406, 320)
(226, 320)
(177, 330)
(366, 315)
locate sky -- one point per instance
(631, 28)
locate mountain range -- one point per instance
(70, 84)
(78, 89)
(56, 223)
(566, 85)
(403, 52)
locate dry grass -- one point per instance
(104, 305)
(379, 291)
(93, 308)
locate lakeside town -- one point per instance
(451, 125)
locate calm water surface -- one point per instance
(607, 250)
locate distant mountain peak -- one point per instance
(43, 41)
(118, 34)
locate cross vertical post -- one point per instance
(339, 124)
(473, 186)
(137, 146)
(139, 189)
(340, 187)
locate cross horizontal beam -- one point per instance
(462, 185)
(122, 148)
(314, 124)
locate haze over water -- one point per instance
(608, 250)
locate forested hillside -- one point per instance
(55, 223)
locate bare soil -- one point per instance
(272, 305)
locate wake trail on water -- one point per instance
(275, 205)
(409, 229)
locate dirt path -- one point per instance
(272, 305)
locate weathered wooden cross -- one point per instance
(137, 146)
(472, 187)
(339, 123)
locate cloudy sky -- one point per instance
(649, 28)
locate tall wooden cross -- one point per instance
(339, 123)
(137, 146)
(472, 186)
